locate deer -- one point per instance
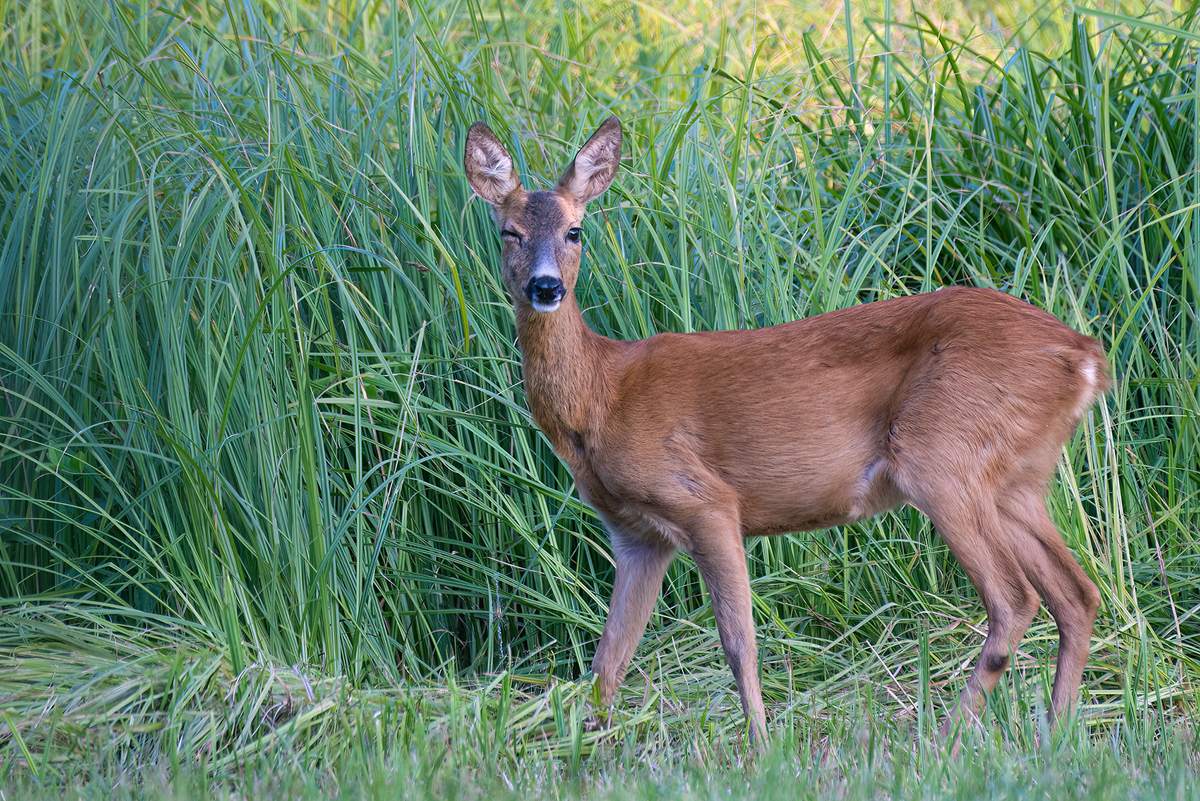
(957, 402)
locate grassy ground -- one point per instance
(274, 519)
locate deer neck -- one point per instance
(566, 368)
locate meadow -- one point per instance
(274, 520)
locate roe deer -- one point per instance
(957, 402)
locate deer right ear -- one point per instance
(595, 167)
(488, 166)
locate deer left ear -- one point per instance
(595, 167)
(488, 166)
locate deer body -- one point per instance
(956, 402)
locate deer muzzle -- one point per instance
(545, 292)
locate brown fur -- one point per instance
(957, 402)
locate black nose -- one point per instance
(545, 289)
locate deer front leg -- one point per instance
(717, 549)
(641, 565)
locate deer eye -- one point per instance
(509, 235)
(574, 235)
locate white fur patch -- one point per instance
(1089, 373)
(587, 164)
(494, 167)
(1088, 368)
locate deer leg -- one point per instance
(979, 539)
(716, 547)
(1070, 595)
(641, 565)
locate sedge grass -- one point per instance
(265, 462)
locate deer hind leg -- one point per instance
(641, 564)
(715, 544)
(1070, 595)
(979, 539)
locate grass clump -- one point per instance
(273, 515)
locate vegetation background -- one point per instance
(274, 519)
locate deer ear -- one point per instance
(488, 166)
(595, 166)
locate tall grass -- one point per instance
(263, 445)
